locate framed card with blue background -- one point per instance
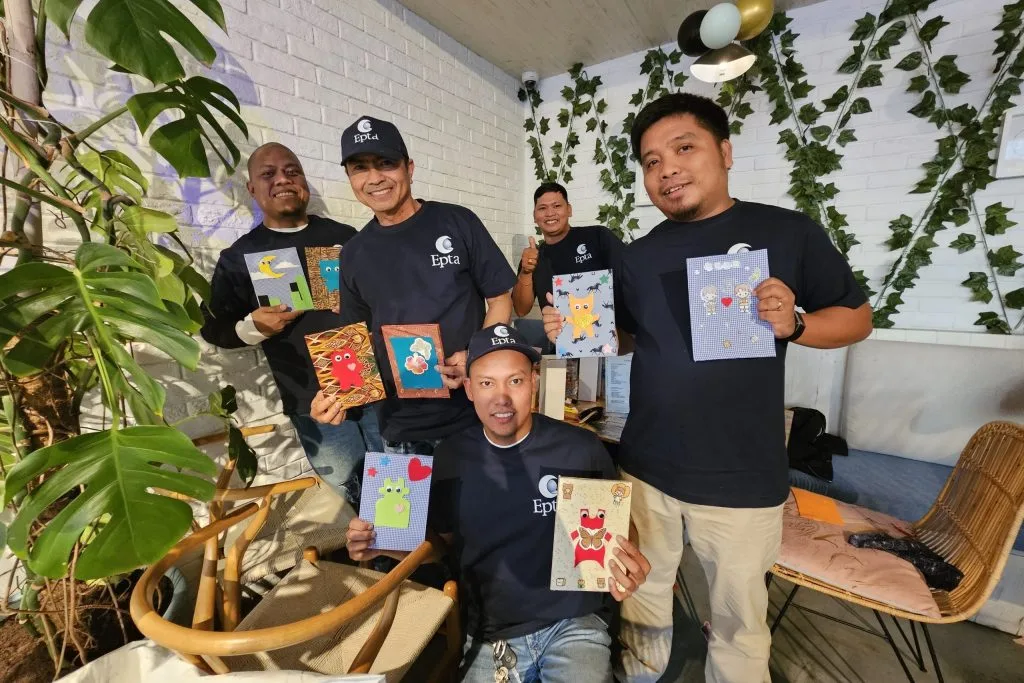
(396, 497)
(587, 301)
(724, 322)
(278, 278)
(414, 352)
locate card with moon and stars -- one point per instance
(278, 278)
(724, 322)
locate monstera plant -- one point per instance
(90, 504)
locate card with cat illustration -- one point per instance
(324, 276)
(414, 352)
(724, 321)
(589, 515)
(345, 366)
(395, 498)
(587, 300)
(277, 278)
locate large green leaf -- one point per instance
(118, 470)
(61, 12)
(134, 34)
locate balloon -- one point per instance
(720, 25)
(755, 15)
(689, 35)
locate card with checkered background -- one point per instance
(724, 322)
(396, 496)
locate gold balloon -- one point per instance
(755, 15)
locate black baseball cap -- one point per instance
(498, 338)
(372, 136)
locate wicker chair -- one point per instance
(972, 524)
(339, 636)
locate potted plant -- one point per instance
(85, 506)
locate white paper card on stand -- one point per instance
(616, 383)
(589, 373)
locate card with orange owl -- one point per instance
(324, 276)
(414, 352)
(345, 366)
(587, 300)
(589, 515)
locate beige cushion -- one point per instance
(820, 550)
(316, 516)
(309, 589)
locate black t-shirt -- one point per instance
(712, 432)
(499, 503)
(233, 297)
(437, 266)
(590, 247)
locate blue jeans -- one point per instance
(568, 651)
(411, 447)
(337, 452)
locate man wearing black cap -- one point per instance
(415, 262)
(493, 501)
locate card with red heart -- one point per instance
(724, 322)
(395, 498)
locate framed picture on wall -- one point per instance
(1010, 162)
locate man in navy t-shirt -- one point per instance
(415, 262)
(705, 442)
(493, 502)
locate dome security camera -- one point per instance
(529, 78)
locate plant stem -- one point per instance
(77, 138)
(41, 73)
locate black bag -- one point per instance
(809, 447)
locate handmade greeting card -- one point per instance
(589, 515)
(415, 351)
(724, 322)
(396, 495)
(345, 366)
(587, 301)
(277, 278)
(324, 276)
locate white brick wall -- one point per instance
(878, 170)
(304, 70)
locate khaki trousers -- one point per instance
(736, 546)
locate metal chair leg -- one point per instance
(931, 648)
(892, 644)
(915, 649)
(785, 606)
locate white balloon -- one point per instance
(720, 25)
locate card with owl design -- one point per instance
(414, 352)
(590, 514)
(395, 499)
(724, 321)
(278, 278)
(587, 300)
(345, 366)
(324, 276)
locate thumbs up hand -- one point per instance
(529, 261)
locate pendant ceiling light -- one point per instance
(723, 64)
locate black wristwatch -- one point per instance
(798, 330)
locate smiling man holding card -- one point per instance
(711, 295)
(536, 521)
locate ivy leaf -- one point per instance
(862, 281)
(563, 118)
(852, 63)
(1004, 260)
(679, 79)
(801, 90)
(978, 284)
(947, 147)
(529, 124)
(808, 114)
(602, 104)
(836, 99)
(902, 232)
(996, 221)
(568, 93)
(591, 124)
(910, 62)
(860, 106)
(1015, 299)
(780, 112)
(820, 133)
(835, 219)
(566, 177)
(930, 29)
(545, 125)
(521, 95)
(963, 243)
(871, 77)
(951, 78)
(925, 107)
(918, 83)
(865, 26)
(743, 110)
(637, 98)
(889, 39)
(993, 323)
(845, 138)
(963, 114)
(960, 217)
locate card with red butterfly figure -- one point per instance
(395, 498)
(590, 514)
(345, 366)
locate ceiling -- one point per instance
(548, 36)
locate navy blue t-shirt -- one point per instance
(713, 432)
(583, 249)
(437, 266)
(499, 503)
